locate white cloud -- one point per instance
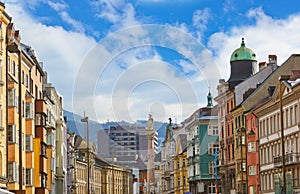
(200, 20)
(57, 6)
(135, 80)
(118, 12)
(266, 36)
(60, 51)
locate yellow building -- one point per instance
(24, 87)
(104, 177)
(116, 180)
(5, 19)
(181, 184)
(240, 149)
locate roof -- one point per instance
(139, 164)
(101, 162)
(183, 141)
(243, 53)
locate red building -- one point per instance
(252, 153)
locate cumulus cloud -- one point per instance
(118, 12)
(60, 51)
(267, 36)
(124, 77)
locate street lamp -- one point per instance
(85, 120)
(282, 78)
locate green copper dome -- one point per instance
(243, 53)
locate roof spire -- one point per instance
(209, 99)
(243, 43)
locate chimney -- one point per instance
(272, 59)
(262, 65)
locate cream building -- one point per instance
(269, 124)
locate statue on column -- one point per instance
(150, 122)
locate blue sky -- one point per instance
(104, 59)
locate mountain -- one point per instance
(75, 125)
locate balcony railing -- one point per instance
(290, 158)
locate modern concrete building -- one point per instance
(125, 143)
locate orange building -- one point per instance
(5, 19)
(24, 86)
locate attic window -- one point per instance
(253, 55)
(236, 55)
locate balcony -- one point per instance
(290, 158)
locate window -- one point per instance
(242, 167)
(29, 110)
(29, 146)
(211, 167)
(50, 138)
(26, 77)
(252, 190)
(178, 182)
(251, 147)
(12, 171)
(213, 147)
(53, 164)
(43, 180)
(184, 181)
(252, 170)
(43, 149)
(13, 68)
(49, 119)
(23, 141)
(29, 176)
(39, 119)
(22, 79)
(11, 133)
(8, 63)
(212, 188)
(12, 99)
(213, 130)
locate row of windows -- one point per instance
(267, 153)
(271, 124)
(13, 173)
(180, 163)
(13, 100)
(273, 181)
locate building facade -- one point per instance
(270, 122)
(124, 143)
(203, 149)
(243, 65)
(3, 96)
(104, 177)
(181, 184)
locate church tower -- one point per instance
(243, 64)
